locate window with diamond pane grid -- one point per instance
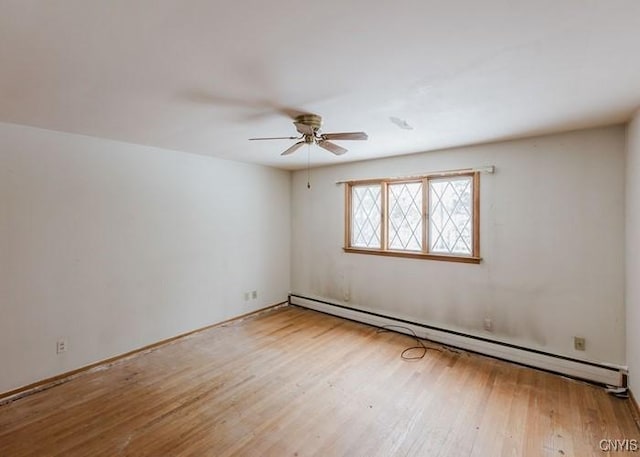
(425, 216)
(366, 216)
(451, 215)
(405, 216)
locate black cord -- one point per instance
(419, 344)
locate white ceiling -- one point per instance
(203, 76)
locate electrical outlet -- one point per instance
(579, 343)
(254, 294)
(246, 296)
(488, 324)
(61, 346)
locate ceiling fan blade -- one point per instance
(293, 148)
(345, 136)
(277, 138)
(304, 128)
(287, 111)
(332, 147)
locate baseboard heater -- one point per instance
(607, 374)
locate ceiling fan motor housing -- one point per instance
(312, 120)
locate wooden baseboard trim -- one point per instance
(635, 408)
(45, 384)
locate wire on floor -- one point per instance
(419, 344)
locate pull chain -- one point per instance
(309, 166)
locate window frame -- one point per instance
(384, 222)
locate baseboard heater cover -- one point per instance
(607, 374)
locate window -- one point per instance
(366, 216)
(432, 216)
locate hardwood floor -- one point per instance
(294, 382)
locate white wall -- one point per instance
(552, 239)
(115, 246)
(632, 298)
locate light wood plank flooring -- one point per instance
(294, 382)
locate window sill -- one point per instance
(414, 255)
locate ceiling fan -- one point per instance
(308, 125)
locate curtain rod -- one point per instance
(488, 169)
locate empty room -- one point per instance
(319, 229)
